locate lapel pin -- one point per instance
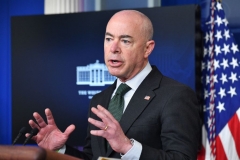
(147, 98)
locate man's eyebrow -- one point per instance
(108, 34)
(125, 36)
(122, 36)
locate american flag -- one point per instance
(221, 87)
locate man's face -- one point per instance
(124, 48)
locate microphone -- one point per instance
(22, 131)
(34, 132)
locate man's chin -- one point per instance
(114, 72)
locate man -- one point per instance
(161, 117)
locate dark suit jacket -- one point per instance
(167, 125)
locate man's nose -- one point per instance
(115, 47)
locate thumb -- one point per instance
(69, 130)
(33, 138)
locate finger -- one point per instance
(39, 120)
(69, 130)
(101, 115)
(33, 138)
(33, 124)
(106, 112)
(27, 134)
(96, 123)
(98, 133)
(49, 116)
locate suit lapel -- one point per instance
(141, 98)
(134, 109)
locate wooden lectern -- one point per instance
(31, 153)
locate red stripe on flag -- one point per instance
(220, 153)
(234, 127)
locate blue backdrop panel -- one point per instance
(9, 8)
(5, 110)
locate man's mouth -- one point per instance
(115, 63)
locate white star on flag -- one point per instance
(220, 107)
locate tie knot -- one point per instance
(122, 89)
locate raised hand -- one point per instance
(110, 129)
(49, 136)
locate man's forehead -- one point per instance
(125, 19)
(122, 27)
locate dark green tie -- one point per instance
(117, 102)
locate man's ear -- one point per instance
(149, 48)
